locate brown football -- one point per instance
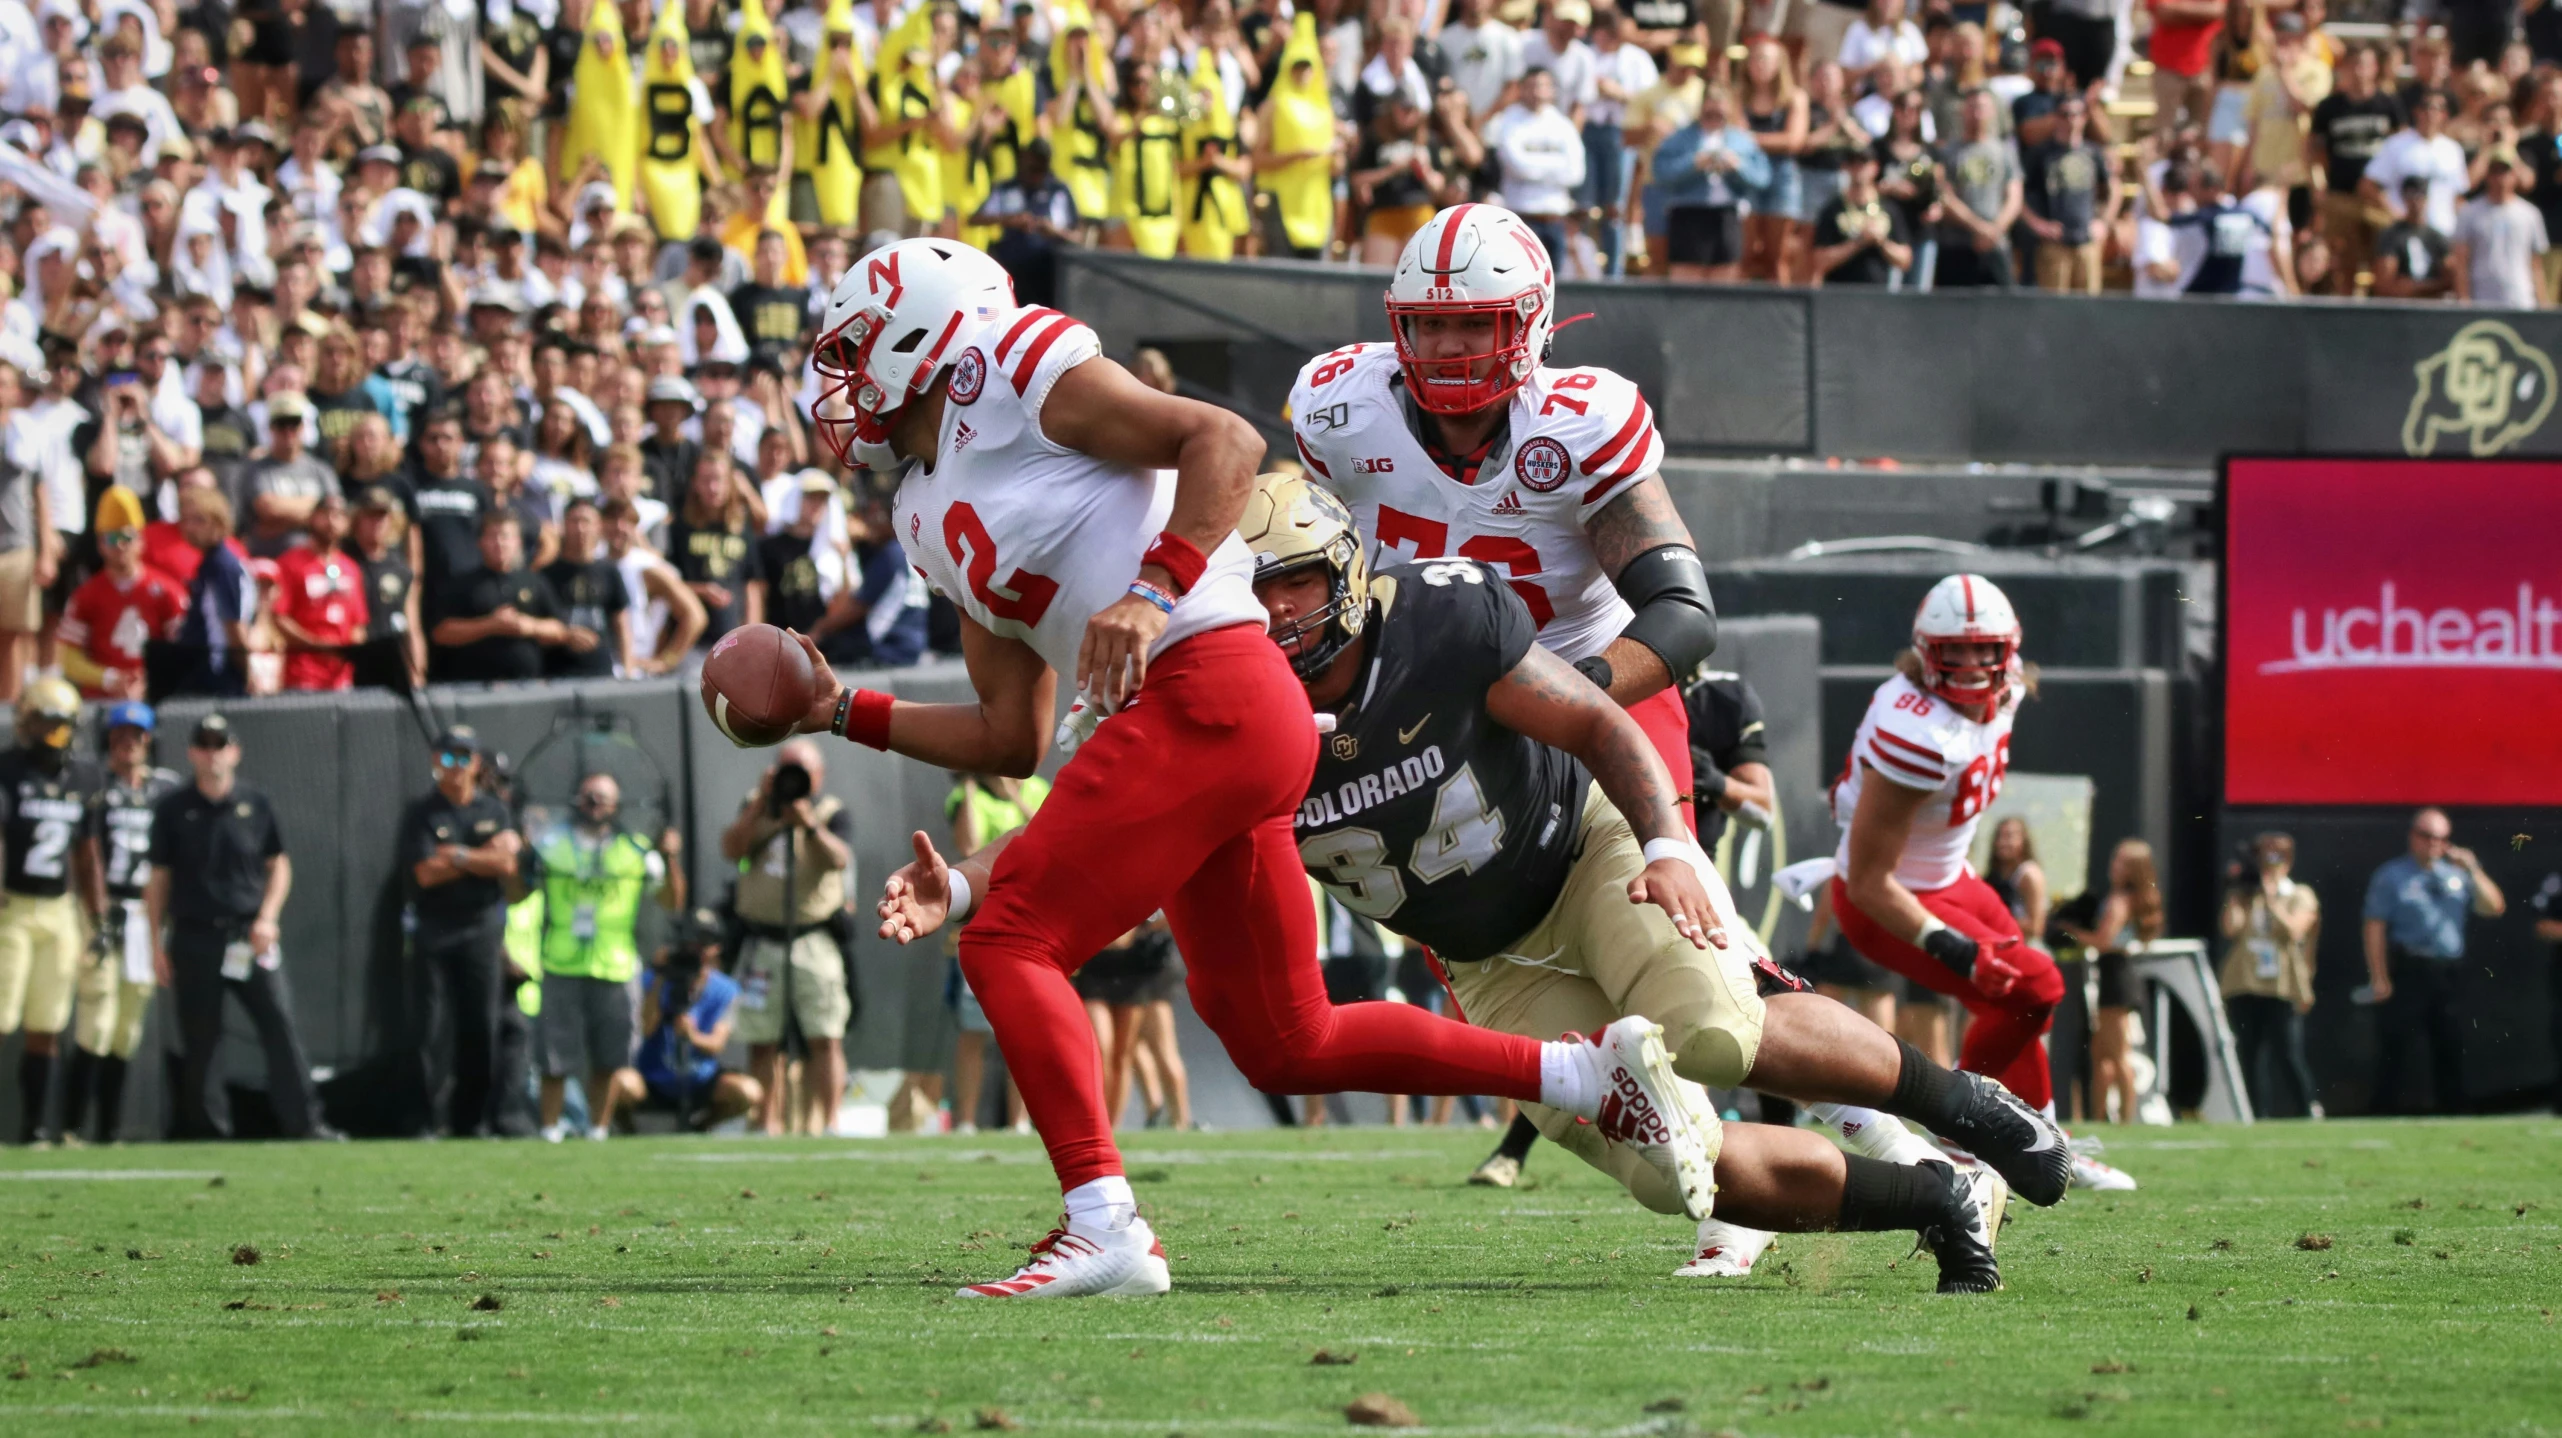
(757, 684)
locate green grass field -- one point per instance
(2286, 1279)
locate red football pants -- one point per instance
(1184, 802)
(2001, 1032)
(1666, 721)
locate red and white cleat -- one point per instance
(1725, 1251)
(1643, 1104)
(1084, 1265)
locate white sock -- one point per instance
(2049, 1110)
(1103, 1205)
(1880, 1136)
(1569, 1079)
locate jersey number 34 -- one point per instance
(1354, 865)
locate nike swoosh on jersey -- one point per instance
(1406, 736)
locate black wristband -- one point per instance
(1953, 949)
(1597, 669)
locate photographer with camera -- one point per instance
(594, 874)
(795, 851)
(2270, 922)
(687, 1015)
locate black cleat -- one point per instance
(2021, 1144)
(1962, 1239)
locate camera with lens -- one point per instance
(791, 785)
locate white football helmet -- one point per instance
(1473, 260)
(889, 330)
(1966, 609)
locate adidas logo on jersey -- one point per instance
(1510, 503)
(962, 436)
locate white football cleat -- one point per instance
(1990, 1194)
(1725, 1251)
(2090, 1173)
(1500, 1170)
(1643, 1105)
(1081, 1265)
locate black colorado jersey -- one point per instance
(1726, 729)
(124, 811)
(44, 814)
(1425, 814)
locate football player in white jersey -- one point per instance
(1457, 439)
(1928, 758)
(1084, 524)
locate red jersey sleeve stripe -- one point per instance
(1900, 742)
(1039, 346)
(1639, 421)
(1311, 460)
(1932, 776)
(1029, 318)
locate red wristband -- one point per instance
(867, 718)
(1179, 558)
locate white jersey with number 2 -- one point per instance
(1031, 538)
(1919, 740)
(1579, 438)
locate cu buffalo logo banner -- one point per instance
(2393, 632)
(969, 376)
(1542, 465)
(2481, 395)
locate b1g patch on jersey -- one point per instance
(969, 376)
(1542, 465)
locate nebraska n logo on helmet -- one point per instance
(1473, 260)
(1966, 609)
(889, 330)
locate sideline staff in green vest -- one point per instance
(788, 831)
(593, 875)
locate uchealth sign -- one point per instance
(2393, 632)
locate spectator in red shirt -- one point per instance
(320, 602)
(2183, 49)
(118, 610)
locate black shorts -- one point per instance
(1127, 978)
(1356, 979)
(2116, 981)
(1704, 235)
(1840, 966)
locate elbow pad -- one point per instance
(1668, 587)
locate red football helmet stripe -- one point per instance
(1449, 238)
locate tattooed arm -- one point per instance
(1543, 698)
(1639, 520)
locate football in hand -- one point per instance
(757, 684)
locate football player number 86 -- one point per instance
(1464, 835)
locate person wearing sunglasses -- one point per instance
(460, 848)
(115, 613)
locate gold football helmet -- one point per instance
(49, 715)
(1292, 523)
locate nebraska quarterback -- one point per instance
(1927, 759)
(1085, 526)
